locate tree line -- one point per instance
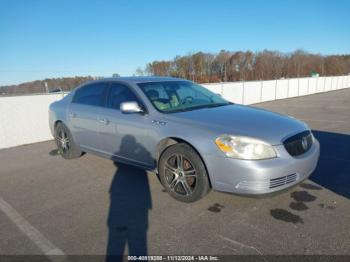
(204, 67)
(245, 66)
(39, 86)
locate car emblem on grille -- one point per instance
(304, 143)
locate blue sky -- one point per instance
(46, 38)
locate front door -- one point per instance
(127, 137)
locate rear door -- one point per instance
(84, 114)
(127, 137)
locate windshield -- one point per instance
(176, 96)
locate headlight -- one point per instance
(245, 147)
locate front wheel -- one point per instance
(183, 173)
(65, 143)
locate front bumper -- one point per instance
(254, 177)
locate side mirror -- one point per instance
(130, 107)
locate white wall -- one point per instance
(24, 119)
(260, 91)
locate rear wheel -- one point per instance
(65, 143)
(183, 173)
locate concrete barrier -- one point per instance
(252, 92)
(24, 119)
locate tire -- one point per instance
(183, 174)
(67, 148)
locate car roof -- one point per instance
(142, 79)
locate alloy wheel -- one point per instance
(63, 140)
(180, 175)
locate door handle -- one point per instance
(104, 121)
(72, 115)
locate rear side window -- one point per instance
(118, 94)
(92, 94)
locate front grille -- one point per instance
(280, 181)
(298, 144)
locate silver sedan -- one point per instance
(192, 138)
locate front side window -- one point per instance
(175, 96)
(91, 94)
(118, 94)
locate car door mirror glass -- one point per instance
(131, 107)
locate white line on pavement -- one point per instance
(32, 233)
(240, 244)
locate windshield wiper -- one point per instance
(217, 105)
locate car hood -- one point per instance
(244, 121)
